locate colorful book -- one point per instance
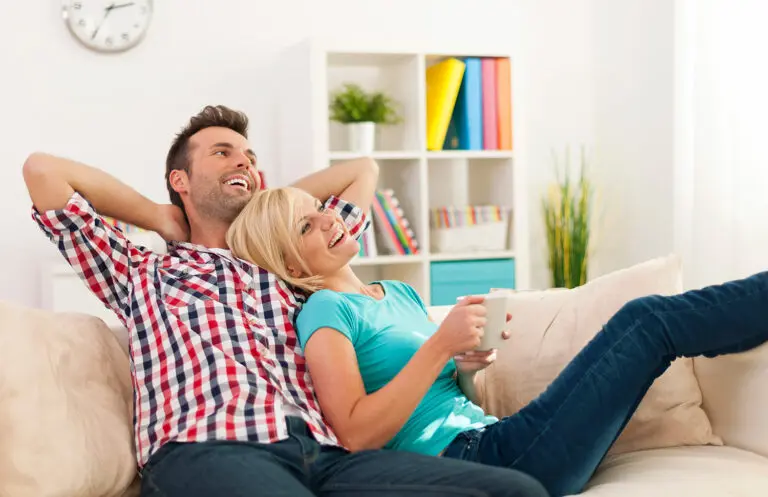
(490, 114)
(408, 237)
(452, 141)
(397, 228)
(504, 103)
(469, 107)
(443, 80)
(367, 241)
(387, 233)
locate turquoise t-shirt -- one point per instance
(385, 334)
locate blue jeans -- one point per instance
(300, 467)
(562, 436)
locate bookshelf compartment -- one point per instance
(452, 279)
(393, 74)
(468, 100)
(465, 193)
(403, 178)
(490, 181)
(398, 225)
(470, 182)
(408, 272)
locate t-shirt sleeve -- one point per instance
(326, 309)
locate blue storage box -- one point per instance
(452, 279)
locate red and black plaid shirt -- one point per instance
(214, 353)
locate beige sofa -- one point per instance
(65, 401)
(702, 429)
(735, 398)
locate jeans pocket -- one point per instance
(462, 447)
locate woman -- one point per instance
(386, 376)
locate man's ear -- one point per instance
(179, 181)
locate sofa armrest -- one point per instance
(735, 390)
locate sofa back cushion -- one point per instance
(65, 406)
(549, 327)
(734, 388)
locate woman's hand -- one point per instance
(461, 329)
(472, 361)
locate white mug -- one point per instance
(495, 320)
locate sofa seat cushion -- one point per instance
(704, 471)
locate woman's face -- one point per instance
(326, 245)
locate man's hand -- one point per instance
(171, 223)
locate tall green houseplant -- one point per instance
(568, 213)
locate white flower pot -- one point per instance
(361, 137)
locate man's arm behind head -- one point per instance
(353, 181)
(51, 181)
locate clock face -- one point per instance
(108, 25)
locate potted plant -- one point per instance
(568, 214)
(360, 111)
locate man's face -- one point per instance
(222, 173)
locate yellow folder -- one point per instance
(443, 82)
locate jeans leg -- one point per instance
(234, 469)
(562, 436)
(388, 473)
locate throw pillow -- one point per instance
(550, 327)
(65, 406)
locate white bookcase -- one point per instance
(421, 179)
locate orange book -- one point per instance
(504, 103)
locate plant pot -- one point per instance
(361, 137)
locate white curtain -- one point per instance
(721, 183)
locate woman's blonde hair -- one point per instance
(267, 233)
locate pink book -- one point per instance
(490, 116)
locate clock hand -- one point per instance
(122, 5)
(106, 13)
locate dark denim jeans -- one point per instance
(300, 467)
(562, 436)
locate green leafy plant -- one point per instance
(568, 208)
(352, 104)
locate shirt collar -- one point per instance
(203, 254)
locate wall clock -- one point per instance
(108, 25)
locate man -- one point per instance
(222, 397)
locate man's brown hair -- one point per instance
(178, 154)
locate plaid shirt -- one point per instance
(214, 354)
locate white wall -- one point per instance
(559, 100)
(634, 129)
(721, 200)
(120, 112)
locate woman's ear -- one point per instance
(293, 272)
